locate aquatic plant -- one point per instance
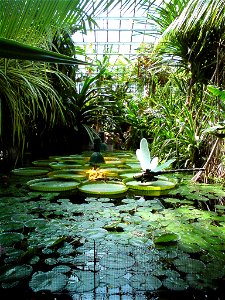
(144, 157)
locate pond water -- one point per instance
(66, 245)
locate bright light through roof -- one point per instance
(118, 34)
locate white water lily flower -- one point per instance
(143, 155)
(154, 163)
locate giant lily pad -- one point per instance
(66, 164)
(30, 171)
(134, 165)
(51, 185)
(151, 188)
(127, 174)
(42, 162)
(69, 158)
(103, 188)
(67, 174)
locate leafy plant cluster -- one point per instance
(71, 244)
(162, 96)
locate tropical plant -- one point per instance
(34, 26)
(36, 23)
(214, 165)
(192, 39)
(136, 124)
(35, 89)
(172, 128)
(28, 95)
(87, 105)
(17, 50)
(117, 95)
(148, 164)
(85, 108)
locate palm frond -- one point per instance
(35, 20)
(208, 13)
(28, 94)
(13, 49)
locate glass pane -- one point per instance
(118, 32)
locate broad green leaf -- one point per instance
(52, 281)
(216, 91)
(10, 238)
(166, 238)
(16, 50)
(189, 265)
(14, 273)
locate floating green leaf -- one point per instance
(51, 281)
(166, 238)
(189, 265)
(30, 171)
(14, 273)
(9, 238)
(85, 281)
(151, 188)
(117, 261)
(145, 283)
(51, 185)
(175, 284)
(102, 188)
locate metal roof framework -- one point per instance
(117, 33)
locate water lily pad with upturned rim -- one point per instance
(67, 165)
(67, 174)
(102, 188)
(42, 162)
(30, 171)
(134, 165)
(52, 185)
(127, 174)
(68, 158)
(152, 188)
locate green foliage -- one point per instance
(27, 94)
(16, 50)
(181, 243)
(192, 42)
(87, 106)
(175, 129)
(29, 101)
(137, 120)
(38, 21)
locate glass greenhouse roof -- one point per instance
(117, 32)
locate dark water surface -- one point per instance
(106, 248)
